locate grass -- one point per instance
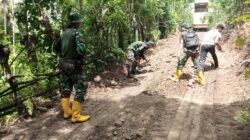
(247, 73)
(240, 42)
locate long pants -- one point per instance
(72, 77)
(131, 63)
(203, 55)
(185, 56)
(131, 67)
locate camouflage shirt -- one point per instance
(70, 45)
(138, 49)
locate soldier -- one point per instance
(70, 49)
(189, 46)
(135, 53)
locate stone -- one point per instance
(98, 79)
(115, 133)
(113, 83)
(118, 123)
(139, 134)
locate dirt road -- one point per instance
(154, 108)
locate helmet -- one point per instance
(222, 26)
(75, 18)
(150, 43)
(185, 25)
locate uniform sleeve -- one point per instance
(79, 44)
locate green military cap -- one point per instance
(75, 18)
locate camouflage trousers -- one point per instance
(131, 63)
(194, 54)
(72, 76)
(131, 67)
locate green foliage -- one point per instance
(224, 11)
(240, 42)
(8, 118)
(29, 106)
(156, 34)
(243, 116)
(228, 11)
(247, 2)
(244, 17)
(247, 73)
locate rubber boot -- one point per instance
(178, 75)
(201, 78)
(67, 112)
(76, 116)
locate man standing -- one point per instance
(70, 49)
(210, 41)
(189, 45)
(134, 54)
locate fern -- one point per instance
(29, 106)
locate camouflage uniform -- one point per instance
(71, 52)
(186, 54)
(134, 53)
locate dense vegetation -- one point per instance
(228, 11)
(109, 27)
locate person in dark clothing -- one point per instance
(209, 43)
(70, 49)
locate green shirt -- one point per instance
(138, 49)
(137, 46)
(71, 45)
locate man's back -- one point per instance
(136, 46)
(69, 44)
(210, 37)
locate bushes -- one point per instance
(240, 42)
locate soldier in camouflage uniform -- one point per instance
(70, 49)
(134, 53)
(185, 53)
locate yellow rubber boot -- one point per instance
(201, 78)
(76, 116)
(178, 75)
(67, 112)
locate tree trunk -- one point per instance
(5, 16)
(81, 6)
(4, 57)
